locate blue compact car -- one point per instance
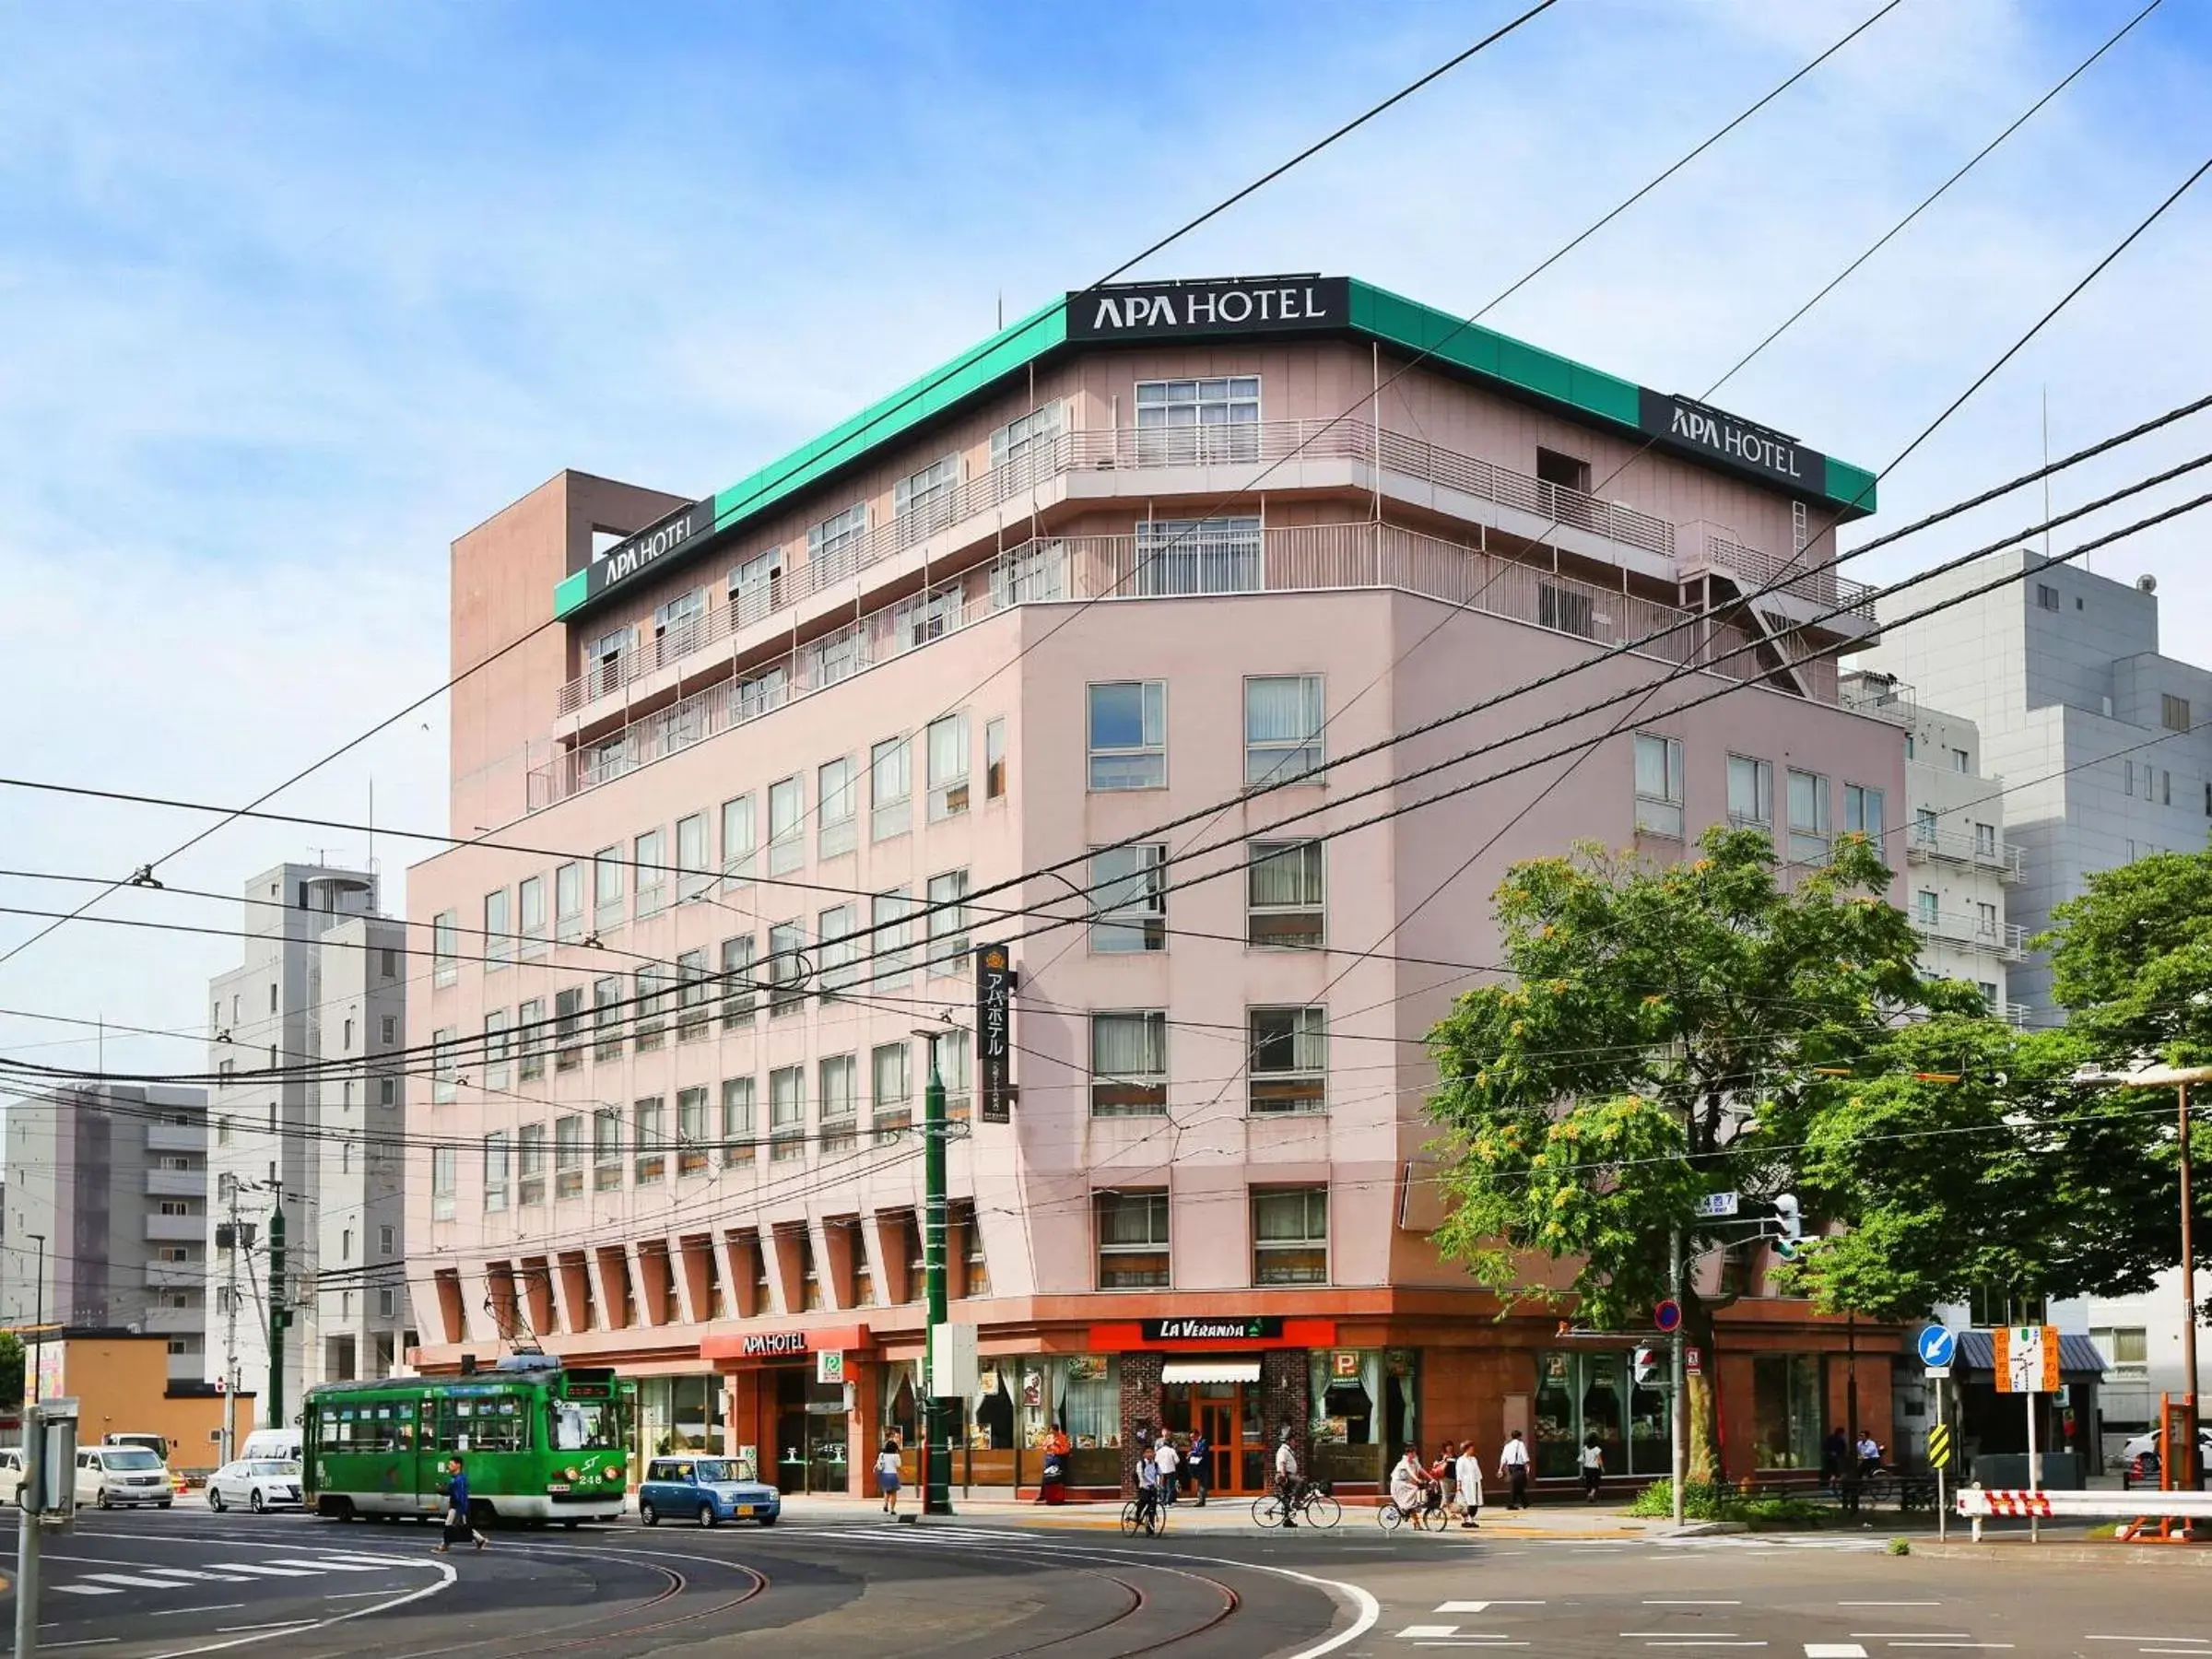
(709, 1491)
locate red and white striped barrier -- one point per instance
(1977, 1503)
(1984, 1501)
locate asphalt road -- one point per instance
(161, 1585)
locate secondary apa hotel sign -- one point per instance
(1225, 305)
(1699, 430)
(649, 546)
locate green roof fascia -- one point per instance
(569, 590)
(1851, 488)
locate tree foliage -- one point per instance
(11, 1368)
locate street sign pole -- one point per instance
(937, 1449)
(1676, 1409)
(2035, 1467)
(1943, 1519)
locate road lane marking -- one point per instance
(1834, 1649)
(1427, 1632)
(133, 1580)
(1681, 1632)
(261, 1571)
(84, 1589)
(1894, 1643)
(82, 1641)
(325, 1566)
(1933, 1604)
(1693, 1604)
(1701, 1641)
(193, 1572)
(355, 1594)
(2193, 1638)
(203, 1607)
(282, 1624)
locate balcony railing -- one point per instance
(1119, 568)
(2004, 939)
(1123, 449)
(1961, 847)
(1818, 585)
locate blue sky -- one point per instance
(291, 297)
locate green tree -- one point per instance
(2131, 961)
(1666, 1034)
(11, 1368)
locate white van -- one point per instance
(108, 1475)
(282, 1444)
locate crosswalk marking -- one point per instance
(233, 1573)
(131, 1581)
(1834, 1649)
(329, 1564)
(85, 1590)
(195, 1575)
(259, 1571)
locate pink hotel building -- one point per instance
(773, 753)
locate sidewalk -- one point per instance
(1233, 1515)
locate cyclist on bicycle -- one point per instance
(1409, 1484)
(1147, 1489)
(1287, 1482)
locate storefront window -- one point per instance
(1346, 1388)
(1785, 1407)
(1582, 1394)
(679, 1414)
(992, 1421)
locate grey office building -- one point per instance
(2091, 733)
(113, 1179)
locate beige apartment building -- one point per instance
(767, 767)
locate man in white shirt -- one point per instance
(1167, 1460)
(1467, 1480)
(1286, 1477)
(1513, 1464)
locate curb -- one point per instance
(2102, 1555)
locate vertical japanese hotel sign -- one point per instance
(994, 1032)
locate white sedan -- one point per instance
(257, 1483)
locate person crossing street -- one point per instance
(1513, 1468)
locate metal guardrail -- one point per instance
(1117, 568)
(1820, 585)
(2005, 939)
(1125, 449)
(1956, 847)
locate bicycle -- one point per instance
(1390, 1517)
(1313, 1505)
(1144, 1515)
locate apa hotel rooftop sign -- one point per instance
(1218, 305)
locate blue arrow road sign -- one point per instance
(1938, 1344)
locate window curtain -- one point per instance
(1286, 874)
(1128, 1045)
(1282, 710)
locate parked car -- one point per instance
(2139, 1457)
(706, 1489)
(108, 1475)
(283, 1444)
(258, 1483)
(11, 1474)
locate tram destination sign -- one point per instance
(1234, 1327)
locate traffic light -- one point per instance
(1646, 1367)
(1792, 1225)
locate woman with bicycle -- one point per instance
(1409, 1487)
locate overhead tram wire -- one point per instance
(738, 509)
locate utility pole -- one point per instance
(1678, 1408)
(937, 1449)
(230, 1335)
(2191, 1474)
(38, 1320)
(30, 1500)
(278, 1317)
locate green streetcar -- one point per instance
(543, 1442)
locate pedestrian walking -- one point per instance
(1169, 1463)
(1593, 1462)
(886, 1473)
(1443, 1473)
(1833, 1451)
(1469, 1486)
(459, 1529)
(1513, 1468)
(1053, 1488)
(1286, 1477)
(1201, 1466)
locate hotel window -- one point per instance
(388, 1028)
(1926, 908)
(530, 1164)
(444, 1072)
(1985, 920)
(651, 851)
(1962, 760)
(736, 1121)
(530, 905)
(607, 1149)
(737, 981)
(994, 760)
(891, 1086)
(1291, 1236)
(568, 1027)
(836, 947)
(1129, 1064)
(737, 842)
(679, 625)
(1808, 818)
(1283, 895)
(890, 936)
(1750, 792)
(1562, 471)
(953, 1070)
(568, 1155)
(1290, 1059)
(2046, 596)
(653, 1158)
(568, 901)
(691, 1131)
(1923, 826)
(1659, 784)
(387, 1092)
(786, 968)
(1183, 422)
(1282, 726)
(607, 888)
(495, 1173)
(945, 922)
(975, 1271)
(1132, 1239)
(1863, 812)
(1128, 734)
(1197, 555)
(690, 995)
(1985, 840)
(445, 947)
(890, 788)
(606, 1016)
(649, 990)
(530, 1040)
(1128, 899)
(1989, 995)
(947, 759)
(788, 1113)
(445, 1179)
(787, 826)
(2173, 712)
(1028, 435)
(932, 487)
(837, 827)
(834, 545)
(495, 1049)
(752, 587)
(692, 875)
(841, 1104)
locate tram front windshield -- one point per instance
(586, 1426)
